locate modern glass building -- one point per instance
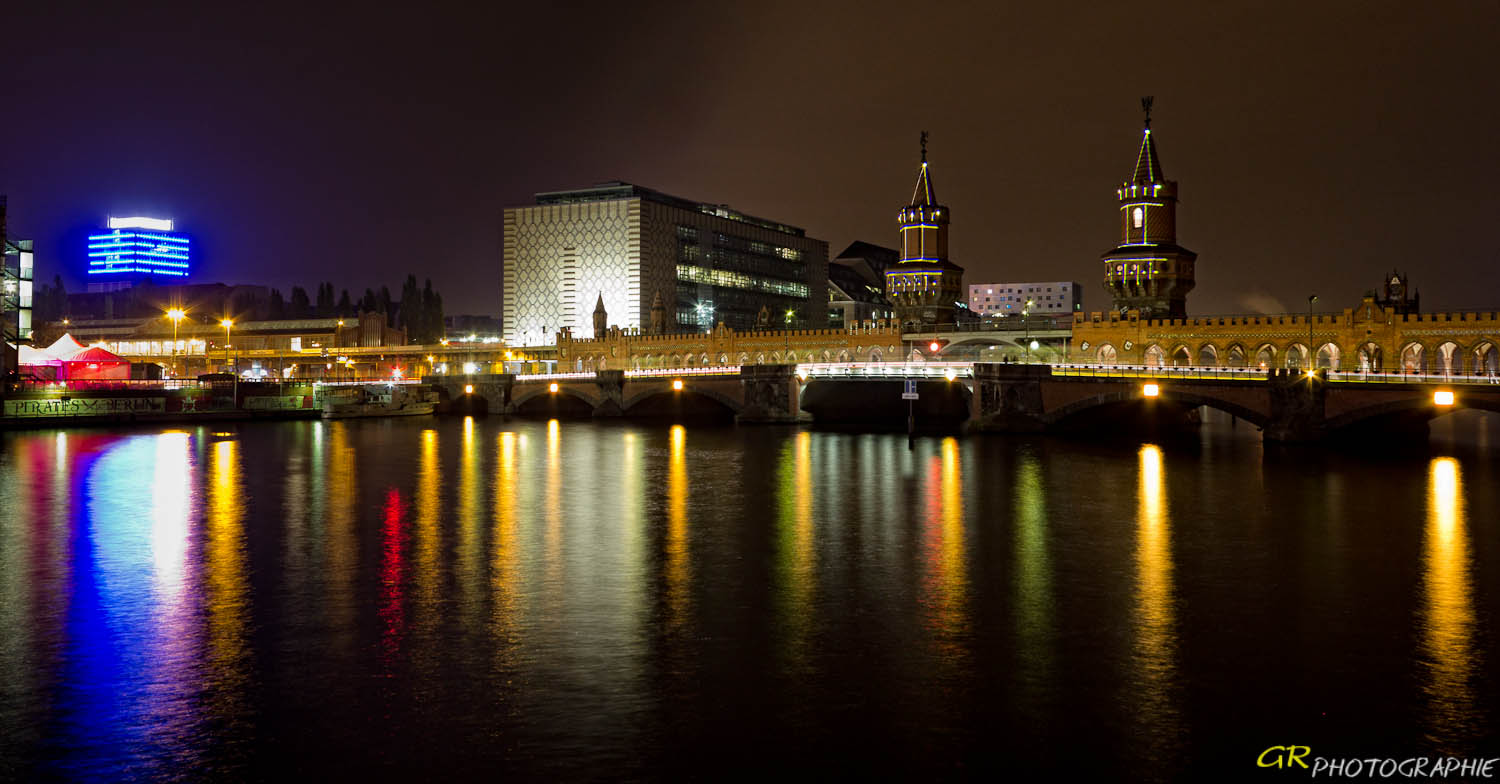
(135, 249)
(632, 246)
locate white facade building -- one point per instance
(632, 246)
(1009, 299)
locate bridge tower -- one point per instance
(1148, 271)
(924, 286)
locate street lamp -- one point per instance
(1311, 298)
(786, 333)
(175, 314)
(1026, 325)
(227, 324)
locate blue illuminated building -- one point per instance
(137, 249)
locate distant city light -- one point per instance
(468, 389)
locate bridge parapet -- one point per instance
(1008, 398)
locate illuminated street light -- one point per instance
(175, 314)
(933, 347)
(950, 374)
(468, 389)
(1151, 390)
(676, 385)
(1442, 397)
(552, 387)
(227, 324)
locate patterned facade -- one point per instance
(630, 246)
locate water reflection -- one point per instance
(794, 542)
(1033, 576)
(505, 617)
(945, 595)
(1450, 657)
(677, 529)
(228, 604)
(1155, 609)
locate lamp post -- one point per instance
(1311, 362)
(227, 324)
(1026, 325)
(175, 314)
(786, 338)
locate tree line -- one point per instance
(419, 310)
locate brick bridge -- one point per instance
(1288, 405)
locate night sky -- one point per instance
(1318, 145)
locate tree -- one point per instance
(299, 308)
(367, 303)
(384, 301)
(432, 314)
(325, 300)
(346, 308)
(277, 307)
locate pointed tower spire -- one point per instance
(601, 318)
(1147, 166)
(924, 195)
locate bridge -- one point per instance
(1287, 405)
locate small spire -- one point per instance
(599, 307)
(924, 146)
(1147, 165)
(1146, 102)
(924, 193)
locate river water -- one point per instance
(478, 598)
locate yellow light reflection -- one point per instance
(505, 620)
(1033, 571)
(342, 491)
(1155, 615)
(677, 528)
(227, 583)
(796, 558)
(428, 503)
(1450, 656)
(469, 557)
(553, 505)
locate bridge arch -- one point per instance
(1448, 359)
(1414, 357)
(1296, 356)
(1155, 357)
(1180, 356)
(689, 389)
(1235, 356)
(1370, 359)
(1184, 397)
(1208, 355)
(1485, 359)
(1265, 356)
(1328, 356)
(1418, 406)
(521, 394)
(1107, 355)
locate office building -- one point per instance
(1009, 299)
(135, 250)
(630, 247)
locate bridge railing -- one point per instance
(886, 370)
(589, 375)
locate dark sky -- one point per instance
(1318, 145)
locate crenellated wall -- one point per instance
(1367, 337)
(724, 347)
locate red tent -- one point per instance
(94, 364)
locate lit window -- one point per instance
(1140, 217)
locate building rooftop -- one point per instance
(611, 191)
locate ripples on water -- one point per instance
(478, 597)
